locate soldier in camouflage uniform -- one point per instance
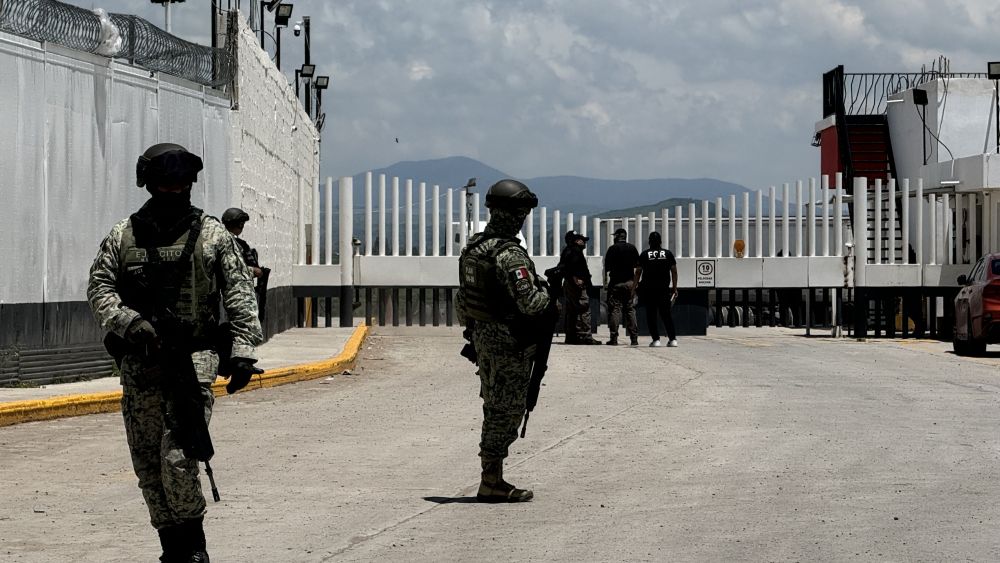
(499, 296)
(169, 258)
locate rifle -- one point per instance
(546, 327)
(185, 414)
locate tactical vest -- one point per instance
(486, 299)
(150, 283)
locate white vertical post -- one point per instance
(529, 232)
(409, 218)
(860, 230)
(732, 225)
(692, 239)
(314, 235)
(542, 238)
(569, 222)
(638, 229)
(583, 226)
(381, 214)
(798, 218)
(583, 231)
(436, 238)
(302, 221)
(679, 230)
(772, 227)
(758, 250)
(328, 221)
(785, 250)
(891, 245)
(932, 201)
(476, 208)
(395, 216)
(718, 227)
(811, 231)
(422, 220)
(987, 226)
(346, 230)
(610, 233)
(557, 234)
(463, 217)
(704, 228)
(449, 227)
(664, 227)
(973, 227)
(652, 226)
(920, 223)
(838, 219)
(947, 223)
(906, 220)
(824, 188)
(877, 222)
(746, 224)
(597, 237)
(368, 214)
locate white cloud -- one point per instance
(611, 88)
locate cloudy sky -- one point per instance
(727, 89)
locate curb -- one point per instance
(65, 406)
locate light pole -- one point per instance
(468, 208)
(166, 11)
(321, 83)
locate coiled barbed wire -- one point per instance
(141, 42)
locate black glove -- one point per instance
(240, 372)
(140, 332)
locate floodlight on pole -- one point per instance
(322, 82)
(307, 70)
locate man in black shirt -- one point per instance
(620, 263)
(658, 270)
(577, 282)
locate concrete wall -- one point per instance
(74, 124)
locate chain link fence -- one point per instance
(118, 36)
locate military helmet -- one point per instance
(166, 164)
(234, 216)
(510, 194)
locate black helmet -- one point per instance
(165, 164)
(621, 234)
(510, 194)
(234, 216)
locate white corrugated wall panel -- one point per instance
(22, 113)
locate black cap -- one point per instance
(573, 236)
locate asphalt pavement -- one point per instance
(745, 445)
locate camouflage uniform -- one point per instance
(169, 481)
(504, 362)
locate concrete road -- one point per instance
(746, 445)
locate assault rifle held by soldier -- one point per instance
(545, 330)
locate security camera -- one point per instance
(297, 28)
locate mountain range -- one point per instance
(576, 194)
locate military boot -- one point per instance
(613, 341)
(172, 543)
(194, 538)
(494, 489)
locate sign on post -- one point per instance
(704, 273)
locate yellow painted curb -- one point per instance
(93, 403)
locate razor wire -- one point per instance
(117, 36)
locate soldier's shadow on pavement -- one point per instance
(451, 500)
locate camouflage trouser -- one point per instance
(577, 312)
(619, 301)
(169, 481)
(504, 371)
